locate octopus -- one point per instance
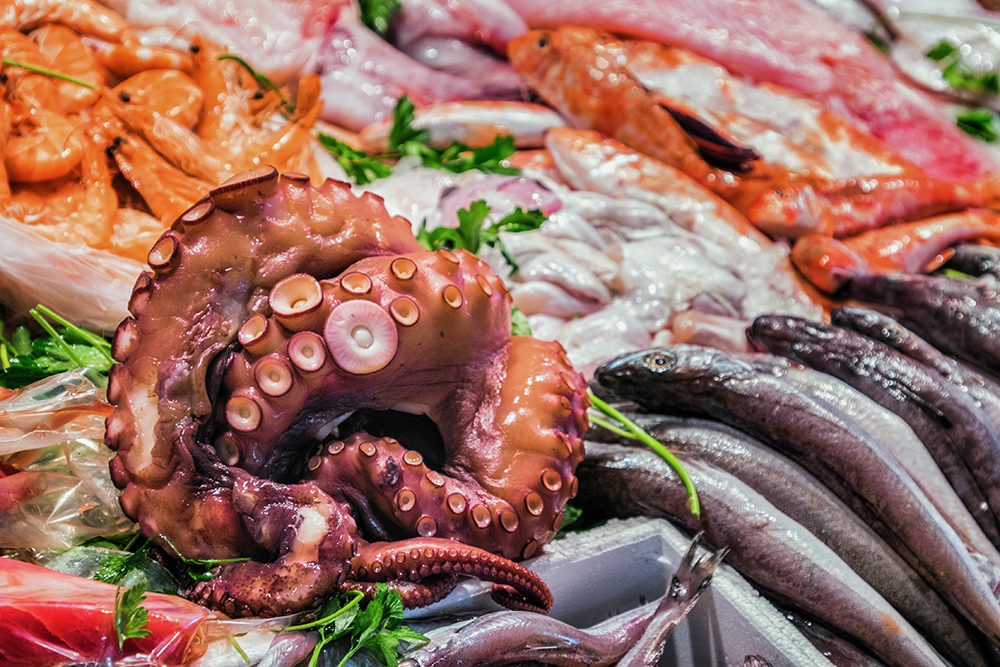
(302, 385)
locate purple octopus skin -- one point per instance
(766, 547)
(975, 260)
(703, 382)
(959, 317)
(806, 501)
(273, 309)
(633, 638)
(950, 424)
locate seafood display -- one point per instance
(360, 285)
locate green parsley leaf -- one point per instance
(873, 37)
(24, 360)
(942, 50)
(376, 14)
(519, 323)
(960, 75)
(403, 132)
(979, 124)
(472, 236)
(406, 141)
(115, 567)
(130, 618)
(359, 166)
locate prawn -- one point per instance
(127, 60)
(85, 16)
(134, 233)
(62, 50)
(908, 248)
(42, 145)
(167, 190)
(162, 92)
(81, 212)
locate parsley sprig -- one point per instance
(200, 568)
(130, 618)
(979, 124)
(625, 427)
(378, 627)
(376, 14)
(959, 74)
(472, 235)
(10, 62)
(405, 140)
(24, 359)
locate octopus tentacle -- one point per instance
(418, 558)
(271, 311)
(421, 593)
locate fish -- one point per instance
(805, 500)
(800, 47)
(947, 421)
(975, 260)
(766, 547)
(959, 317)
(630, 638)
(921, 246)
(878, 326)
(703, 382)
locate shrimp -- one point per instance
(42, 145)
(163, 92)
(127, 60)
(84, 16)
(296, 134)
(4, 133)
(167, 190)
(134, 233)
(78, 211)
(62, 51)
(907, 248)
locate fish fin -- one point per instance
(939, 260)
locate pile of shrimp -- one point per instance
(111, 157)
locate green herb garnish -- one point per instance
(519, 323)
(200, 568)
(261, 80)
(360, 167)
(472, 236)
(876, 40)
(630, 429)
(377, 628)
(979, 124)
(376, 14)
(959, 74)
(9, 62)
(130, 618)
(115, 567)
(24, 360)
(405, 140)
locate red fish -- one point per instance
(909, 248)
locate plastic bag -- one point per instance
(90, 288)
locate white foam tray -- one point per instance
(606, 571)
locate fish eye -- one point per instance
(542, 42)
(658, 362)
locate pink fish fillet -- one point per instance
(796, 45)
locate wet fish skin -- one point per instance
(799, 495)
(882, 328)
(704, 382)
(959, 317)
(632, 639)
(840, 651)
(946, 420)
(766, 547)
(976, 260)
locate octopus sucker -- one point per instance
(273, 311)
